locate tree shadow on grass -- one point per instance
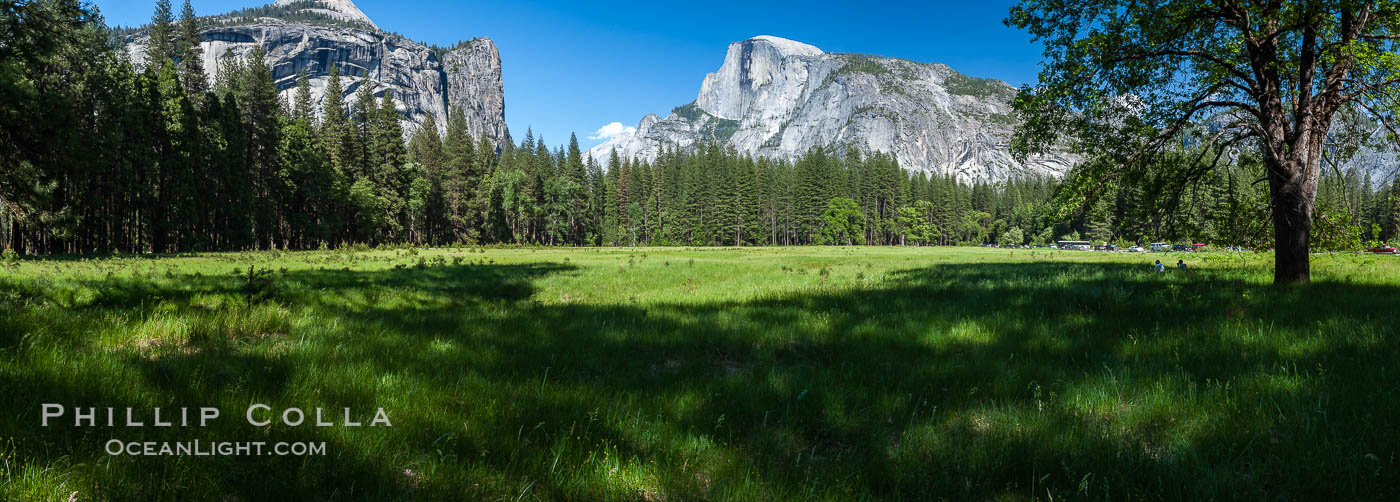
(967, 381)
(951, 381)
(52, 353)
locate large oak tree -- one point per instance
(1127, 80)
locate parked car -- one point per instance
(1181, 247)
(1135, 249)
(1383, 250)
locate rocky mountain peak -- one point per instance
(296, 37)
(779, 98)
(344, 10)
(753, 71)
(785, 46)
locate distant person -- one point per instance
(1180, 265)
(1160, 267)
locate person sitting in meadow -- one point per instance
(1160, 267)
(1180, 265)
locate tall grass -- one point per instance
(711, 374)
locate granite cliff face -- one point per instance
(779, 98)
(474, 85)
(342, 10)
(467, 77)
(1376, 154)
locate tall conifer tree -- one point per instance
(161, 45)
(191, 55)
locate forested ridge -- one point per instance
(102, 154)
(295, 12)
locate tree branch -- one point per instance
(1368, 88)
(1232, 69)
(1384, 123)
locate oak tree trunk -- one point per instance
(1292, 231)
(1293, 193)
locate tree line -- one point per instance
(714, 196)
(103, 157)
(1226, 206)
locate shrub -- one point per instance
(258, 285)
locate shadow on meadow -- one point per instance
(969, 380)
(950, 381)
(48, 354)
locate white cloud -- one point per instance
(611, 130)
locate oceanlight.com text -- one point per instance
(197, 448)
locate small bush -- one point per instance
(258, 285)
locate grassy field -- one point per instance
(711, 374)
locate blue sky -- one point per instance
(577, 66)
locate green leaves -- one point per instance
(1125, 81)
(843, 223)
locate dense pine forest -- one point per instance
(102, 154)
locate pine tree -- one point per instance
(388, 159)
(745, 206)
(390, 152)
(160, 207)
(336, 130)
(1366, 202)
(313, 188)
(263, 123)
(555, 196)
(695, 202)
(228, 73)
(636, 216)
(656, 202)
(1099, 221)
(161, 45)
(815, 191)
(190, 55)
(235, 191)
(541, 168)
(611, 218)
(461, 180)
(1394, 197)
(483, 169)
(597, 201)
(363, 116)
(512, 198)
(180, 167)
(301, 110)
(577, 192)
(647, 205)
(364, 122)
(107, 211)
(425, 150)
(755, 201)
(624, 181)
(377, 205)
(727, 202)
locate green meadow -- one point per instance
(813, 373)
